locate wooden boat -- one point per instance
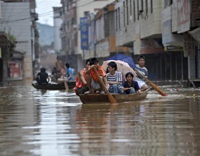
(103, 98)
(54, 86)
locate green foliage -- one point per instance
(12, 38)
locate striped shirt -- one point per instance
(142, 70)
(117, 77)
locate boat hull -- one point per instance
(103, 98)
(59, 86)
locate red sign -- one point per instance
(183, 12)
(15, 69)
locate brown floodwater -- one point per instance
(55, 123)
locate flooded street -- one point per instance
(54, 123)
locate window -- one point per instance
(119, 18)
(138, 15)
(116, 19)
(124, 8)
(134, 10)
(131, 8)
(151, 6)
(86, 14)
(168, 3)
(146, 7)
(127, 12)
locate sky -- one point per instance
(45, 11)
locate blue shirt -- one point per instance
(69, 71)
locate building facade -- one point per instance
(180, 33)
(72, 12)
(16, 19)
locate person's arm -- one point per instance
(124, 87)
(82, 78)
(113, 82)
(89, 70)
(137, 89)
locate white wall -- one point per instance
(57, 26)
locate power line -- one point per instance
(46, 14)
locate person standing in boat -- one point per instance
(42, 77)
(92, 80)
(143, 70)
(81, 83)
(114, 78)
(130, 86)
(59, 66)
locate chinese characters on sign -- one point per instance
(84, 33)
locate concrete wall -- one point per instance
(16, 21)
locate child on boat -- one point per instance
(130, 86)
(92, 80)
(114, 78)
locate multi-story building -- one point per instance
(102, 41)
(181, 34)
(6, 45)
(73, 10)
(16, 20)
(139, 25)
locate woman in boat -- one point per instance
(130, 86)
(42, 77)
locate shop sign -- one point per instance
(183, 13)
(173, 48)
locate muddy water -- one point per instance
(54, 123)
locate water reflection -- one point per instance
(51, 123)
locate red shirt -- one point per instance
(101, 72)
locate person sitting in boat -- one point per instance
(130, 86)
(54, 75)
(143, 70)
(92, 80)
(42, 77)
(81, 83)
(114, 78)
(69, 72)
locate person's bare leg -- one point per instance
(144, 87)
(89, 81)
(66, 86)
